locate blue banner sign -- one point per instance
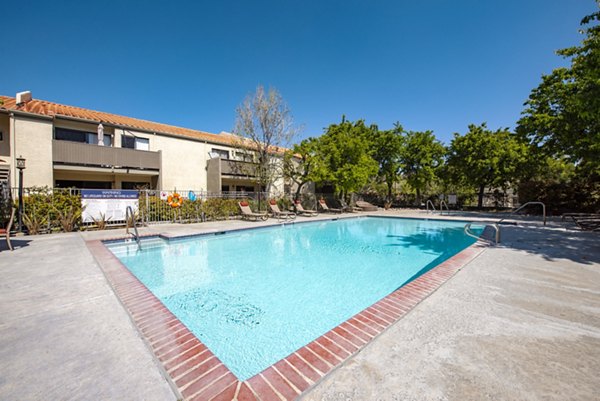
(109, 194)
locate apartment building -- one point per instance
(67, 146)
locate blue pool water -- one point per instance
(255, 296)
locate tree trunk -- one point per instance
(480, 196)
(297, 195)
(418, 199)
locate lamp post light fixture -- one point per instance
(21, 167)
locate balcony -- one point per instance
(218, 168)
(82, 154)
(238, 168)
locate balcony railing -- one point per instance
(238, 168)
(66, 152)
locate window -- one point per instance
(134, 142)
(65, 134)
(128, 142)
(243, 156)
(223, 154)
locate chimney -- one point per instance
(23, 97)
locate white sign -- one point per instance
(107, 204)
(452, 199)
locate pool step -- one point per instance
(129, 246)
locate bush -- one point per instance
(47, 210)
(219, 209)
(155, 209)
(574, 195)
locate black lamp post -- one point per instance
(21, 167)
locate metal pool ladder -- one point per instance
(429, 202)
(130, 215)
(442, 205)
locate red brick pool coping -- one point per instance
(198, 374)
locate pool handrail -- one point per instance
(496, 227)
(442, 204)
(522, 207)
(429, 202)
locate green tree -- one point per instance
(482, 158)
(562, 115)
(421, 155)
(387, 149)
(300, 163)
(344, 156)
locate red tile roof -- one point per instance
(45, 108)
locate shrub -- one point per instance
(562, 196)
(48, 209)
(34, 223)
(155, 209)
(219, 209)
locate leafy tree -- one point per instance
(265, 125)
(562, 115)
(483, 158)
(300, 163)
(387, 149)
(421, 156)
(343, 156)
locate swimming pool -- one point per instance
(255, 296)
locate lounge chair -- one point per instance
(302, 211)
(328, 209)
(347, 208)
(588, 223)
(278, 213)
(248, 214)
(6, 231)
(366, 206)
(574, 216)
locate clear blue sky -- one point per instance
(436, 64)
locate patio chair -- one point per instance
(248, 214)
(588, 223)
(328, 209)
(304, 212)
(347, 208)
(366, 206)
(278, 213)
(573, 216)
(6, 231)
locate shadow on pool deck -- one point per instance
(16, 242)
(553, 243)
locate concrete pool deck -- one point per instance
(521, 321)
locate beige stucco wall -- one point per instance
(32, 139)
(183, 164)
